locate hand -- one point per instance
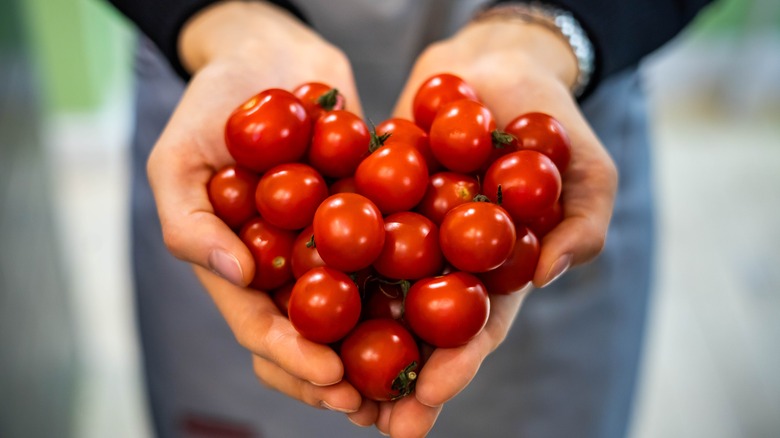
(235, 50)
(515, 68)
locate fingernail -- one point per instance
(226, 266)
(557, 269)
(356, 423)
(333, 408)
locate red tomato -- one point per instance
(324, 305)
(546, 221)
(477, 236)
(530, 184)
(289, 194)
(435, 92)
(518, 270)
(381, 359)
(446, 190)
(349, 231)
(232, 194)
(271, 248)
(304, 253)
(394, 177)
(447, 311)
(343, 185)
(411, 249)
(542, 133)
(319, 98)
(405, 131)
(384, 299)
(339, 143)
(281, 297)
(270, 128)
(461, 136)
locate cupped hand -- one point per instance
(235, 50)
(515, 68)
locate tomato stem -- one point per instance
(502, 139)
(311, 243)
(499, 195)
(405, 381)
(329, 99)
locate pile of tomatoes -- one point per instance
(379, 241)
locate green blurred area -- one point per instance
(82, 48)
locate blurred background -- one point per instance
(69, 362)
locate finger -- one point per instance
(366, 415)
(260, 328)
(449, 370)
(340, 397)
(411, 419)
(383, 418)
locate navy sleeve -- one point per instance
(161, 21)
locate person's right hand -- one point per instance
(235, 50)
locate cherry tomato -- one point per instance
(461, 136)
(271, 248)
(542, 133)
(447, 311)
(411, 249)
(281, 297)
(381, 359)
(289, 194)
(384, 299)
(349, 231)
(324, 305)
(405, 131)
(435, 92)
(318, 98)
(304, 253)
(518, 270)
(343, 185)
(546, 221)
(477, 236)
(339, 142)
(232, 194)
(269, 129)
(446, 190)
(394, 177)
(530, 184)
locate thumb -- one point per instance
(191, 230)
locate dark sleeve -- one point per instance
(161, 21)
(623, 32)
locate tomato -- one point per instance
(546, 221)
(232, 194)
(318, 98)
(343, 185)
(446, 190)
(304, 254)
(384, 299)
(518, 270)
(411, 249)
(324, 305)
(271, 248)
(349, 231)
(405, 131)
(269, 129)
(281, 297)
(542, 133)
(394, 177)
(339, 142)
(461, 136)
(447, 311)
(435, 92)
(477, 236)
(530, 184)
(381, 359)
(289, 194)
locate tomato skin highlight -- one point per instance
(477, 236)
(530, 184)
(231, 192)
(394, 177)
(271, 249)
(338, 144)
(270, 128)
(447, 311)
(349, 231)
(411, 250)
(518, 270)
(542, 133)
(375, 353)
(435, 92)
(324, 305)
(289, 194)
(446, 190)
(461, 136)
